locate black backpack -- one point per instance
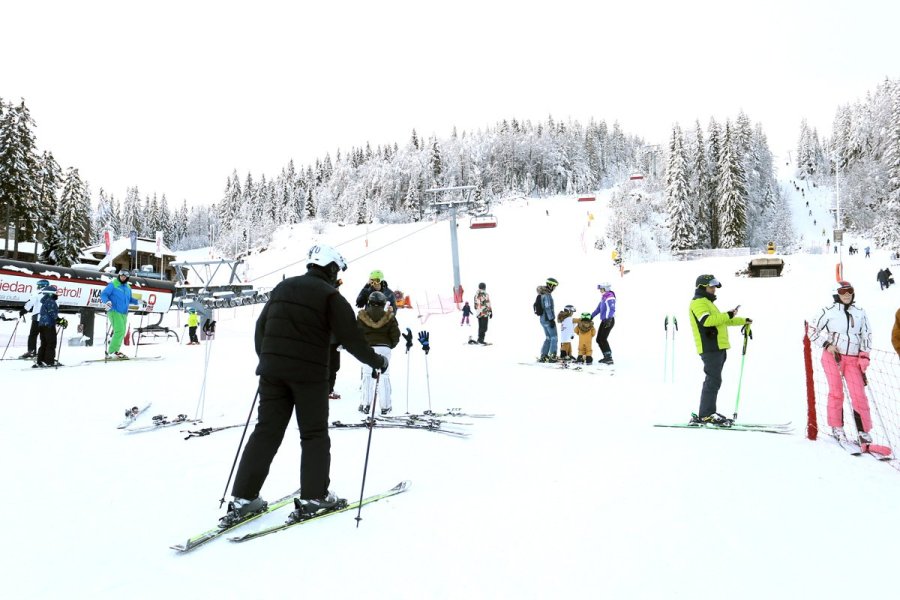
(538, 306)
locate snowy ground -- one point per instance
(568, 492)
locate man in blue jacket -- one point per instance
(117, 298)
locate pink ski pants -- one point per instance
(849, 368)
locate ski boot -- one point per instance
(385, 411)
(865, 438)
(363, 409)
(607, 359)
(29, 354)
(334, 395)
(305, 508)
(240, 509)
(717, 420)
(839, 435)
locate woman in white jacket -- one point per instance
(843, 332)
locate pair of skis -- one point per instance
(759, 427)
(433, 425)
(161, 422)
(877, 451)
(205, 537)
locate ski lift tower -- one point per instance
(464, 197)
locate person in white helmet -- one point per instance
(294, 334)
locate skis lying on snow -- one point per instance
(413, 419)
(761, 427)
(457, 412)
(209, 430)
(161, 422)
(425, 425)
(211, 534)
(131, 415)
(397, 489)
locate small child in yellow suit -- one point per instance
(584, 327)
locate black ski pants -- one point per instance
(603, 336)
(33, 334)
(482, 327)
(47, 352)
(712, 366)
(278, 401)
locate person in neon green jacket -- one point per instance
(710, 327)
(193, 322)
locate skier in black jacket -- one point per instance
(376, 284)
(294, 332)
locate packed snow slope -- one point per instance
(568, 492)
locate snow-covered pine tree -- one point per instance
(49, 180)
(713, 155)
(74, 218)
(732, 194)
(698, 187)
(18, 173)
(681, 217)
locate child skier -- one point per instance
(47, 321)
(193, 322)
(466, 310)
(584, 327)
(380, 328)
(566, 332)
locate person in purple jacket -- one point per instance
(607, 311)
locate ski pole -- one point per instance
(747, 335)
(407, 382)
(370, 421)
(241, 443)
(666, 351)
(10, 339)
(60, 336)
(426, 347)
(674, 322)
(106, 339)
(137, 334)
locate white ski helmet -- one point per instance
(323, 256)
(606, 287)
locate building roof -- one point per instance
(117, 247)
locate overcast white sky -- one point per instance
(172, 96)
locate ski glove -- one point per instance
(108, 306)
(423, 339)
(863, 361)
(408, 337)
(383, 368)
(62, 322)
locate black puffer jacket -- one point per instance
(363, 298)
(297, 325)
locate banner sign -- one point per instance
(159, 242)
(75, 287)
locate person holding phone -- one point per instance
(710, 327)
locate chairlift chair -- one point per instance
(483, 222)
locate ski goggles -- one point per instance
(374, 281)
(845, 289)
